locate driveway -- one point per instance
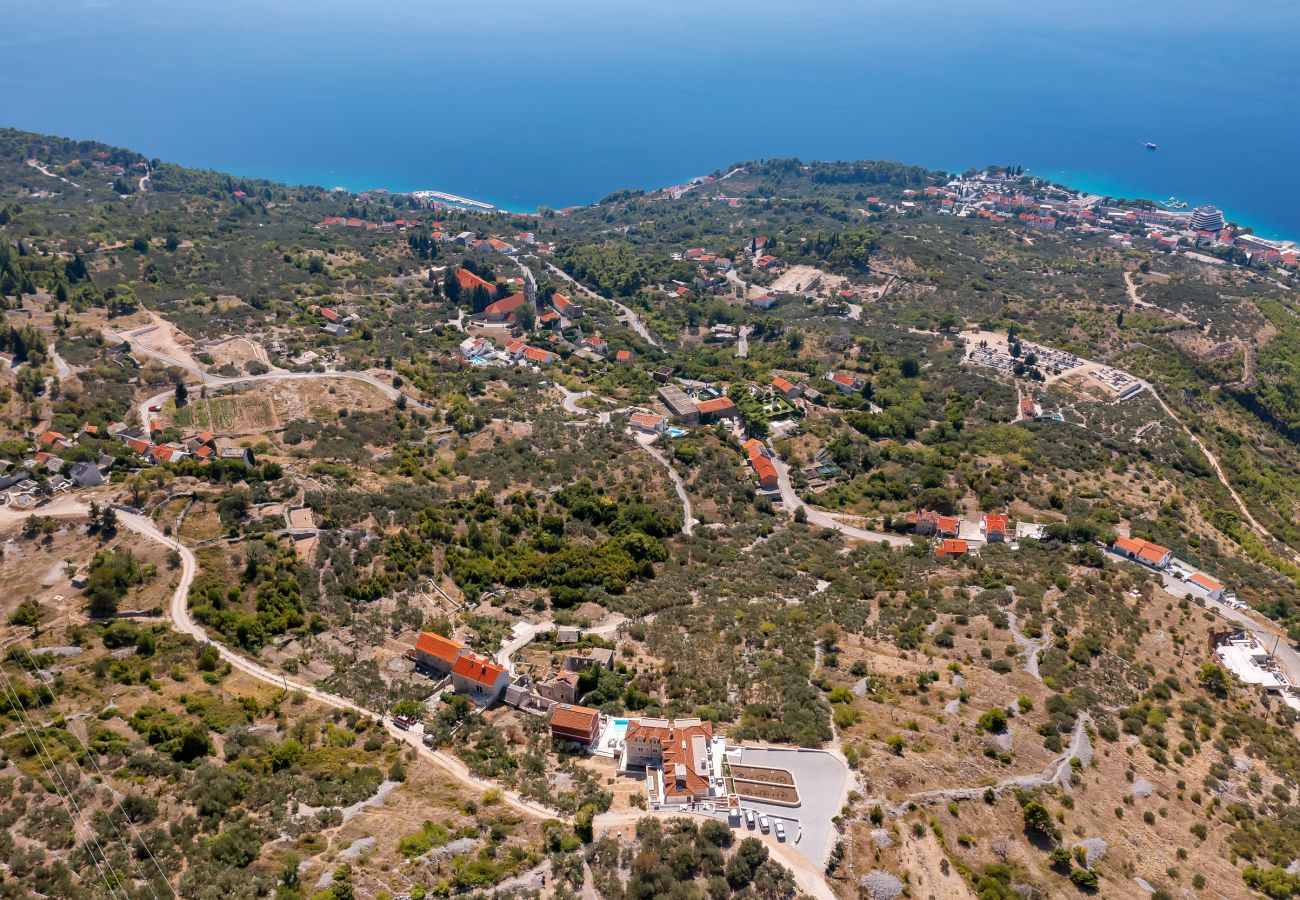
(822, 779)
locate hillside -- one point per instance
(977, 486)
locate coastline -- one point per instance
(1107, 186)
(1086, 182)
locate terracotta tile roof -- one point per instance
(783, 385)
(1143, 550)
(506, 305)
(996, 522)
(439, 647)
(51, 437)
(684, 772)
(468, 281)
(623, 356)
(951, 547)
(561, 302)
(1205, 581)
(646, 420)
(538, 355)
(574, 719)
(717, 405)
(763, 467)
(478, 669)
(754, 445)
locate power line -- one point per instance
(112, 792)
(70, 805)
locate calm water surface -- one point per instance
(528, 103)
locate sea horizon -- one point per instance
(563, 104)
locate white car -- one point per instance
(763, 824)
(749, 818)
(780, 831)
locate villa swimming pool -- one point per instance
(618, 729)
(677, 432)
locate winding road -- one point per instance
(633, 320)
(688, 517)
(819, 517)
(179, 614)
(645, 441)
(1218, 470)
(807, 877)
(1057, 773)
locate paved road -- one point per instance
(61, 368)
(1264, 630)
(40, 167)
(570, 405)
(524, 632)
(823, 519)
(633, 320)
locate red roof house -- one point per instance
(1143, 551)
(479, 677)
(468, 281)
(995, 526)
(435, 652)
(717, 408)
(579, 724)
(503, 310)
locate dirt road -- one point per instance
(824, 519)
(179, 614)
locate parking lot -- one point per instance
(822, 780)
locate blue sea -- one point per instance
(524, 103)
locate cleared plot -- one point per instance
(194, 415)
(223, 412)
(241, 413)
(763, 773)
(770, 793)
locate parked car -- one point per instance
(749, 818)
(428, 739)
(780, 831)
(763, 824)
(404, 721)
